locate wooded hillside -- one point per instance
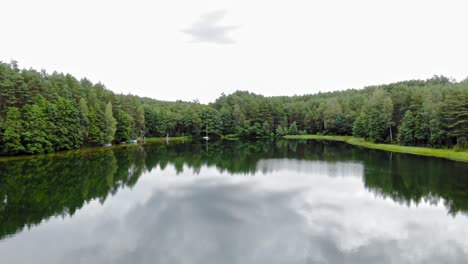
(42, 112)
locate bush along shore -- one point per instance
(422, 151)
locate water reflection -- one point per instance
(312, 167)
(180, 203)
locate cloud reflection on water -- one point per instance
(294, 212)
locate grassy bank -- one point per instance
(230, 137)
(440, 153)
(163, 139)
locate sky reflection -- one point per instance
(290, 211)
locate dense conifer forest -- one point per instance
(42, 112)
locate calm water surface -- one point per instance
(234, 202)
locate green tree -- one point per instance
(211, 119)
(36, 134)
(96, 127)
(124, 126)
(139, 121)
(67, 129)
(196, 123)
(359, 126)
(375, 118)
(84, 121)
(279, 131)
(226, 120)
(110, 122)
(406, 129)
(266, 129)
(10, 137)
(455, 113)
(293, 129)
(332, 112)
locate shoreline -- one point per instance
(461, 156)
(92, 149)
(420, 151)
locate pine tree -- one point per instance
(226, 119)
(10, 136)
(279, 131)
(139, 121)
(293, 129)
(36, 132)
(266, 129)
(331, 114)
(124, 126)
(455, 113)
(67, 129)
(110, 124)
(359, 126)
(84, 121)
(406, 129)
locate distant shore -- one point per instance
(421, 151)
(92, 149)
(162, 139)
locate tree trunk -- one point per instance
(391, 136)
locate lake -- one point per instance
(233, 202)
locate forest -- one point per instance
(44, 112)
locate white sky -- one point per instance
(189, 49)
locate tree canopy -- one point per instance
(42, 112)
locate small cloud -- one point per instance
(207, 29)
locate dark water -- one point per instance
(234, 202)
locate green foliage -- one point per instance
(211, 120)
(96, 127)
(332, 115)
(124, 126)
(455, 114)
(67, 129)
(406, 131)
(111, 124)
(65, 113)
(84, 121)
(279, 131)
(139, 120)
(293, 129)
(266, 131)
(13, 125)
(227, 121)
(36, 133)
(359, 126)
(375, 120)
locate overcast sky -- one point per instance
(190, 50)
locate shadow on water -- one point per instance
(35, 189)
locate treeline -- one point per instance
(431, 113)
(423, 113)
(41, 112)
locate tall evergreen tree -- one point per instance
(455, 113)
(36, 133)
(111, 124)
(406, 130)
(279, 131)
(124, 126)
(293, 129)
(10, 138)
(84, 121)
